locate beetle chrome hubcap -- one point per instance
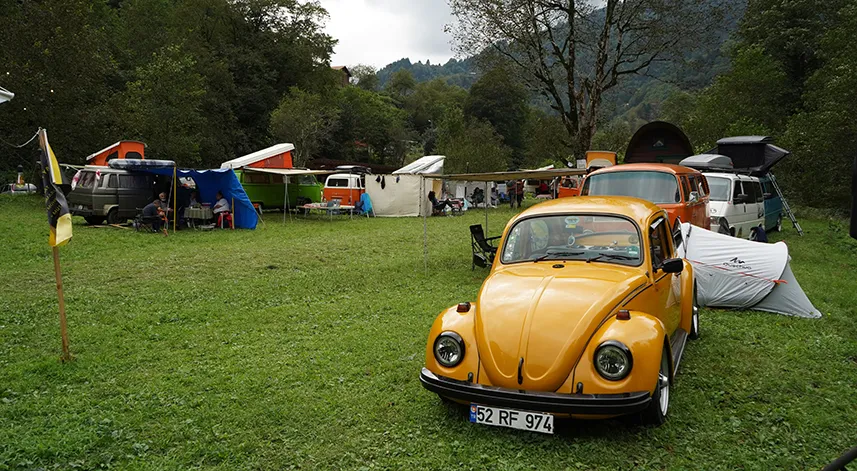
(695, 319)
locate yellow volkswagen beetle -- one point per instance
(585, 314)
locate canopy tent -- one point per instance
(755, 155)
(5, 95)
(741, 274)
(286, 173)
(276, 156)
(208, 183)
(430, 164)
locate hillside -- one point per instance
(636, 101)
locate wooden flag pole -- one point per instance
(66, 355)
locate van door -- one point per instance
(698, 209)
(759, 195)
(661, 248)
(738, 218)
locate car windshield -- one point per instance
(657, 187)
(720, 188)
(607, 239)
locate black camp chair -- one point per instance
(483, 248)
(146, 223)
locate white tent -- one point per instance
(738, 273)
(428, 165)
(401, 195)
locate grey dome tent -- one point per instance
(741, 274)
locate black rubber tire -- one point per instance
(694, 319)
(113, 217)
(723, 227)
(656, 413)
(94, 220)
(754, 234)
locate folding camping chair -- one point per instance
(146, 222)
(483, 248)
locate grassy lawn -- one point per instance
(299, 346)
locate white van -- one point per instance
(346, 187)
(737, 204)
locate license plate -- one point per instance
(517, 419)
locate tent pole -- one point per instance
(286, 197)
(486, 200)
(350, 194)
(425, 225)
(175, 198)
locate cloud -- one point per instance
(378, 32)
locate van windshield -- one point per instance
(657, 187)
(720, 188)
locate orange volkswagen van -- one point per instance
(681, 191)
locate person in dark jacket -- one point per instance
(154, 213)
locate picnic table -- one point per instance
(194, 214)
(325, 207)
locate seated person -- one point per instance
(194, 200)
(478, 196)
(438, 205)
(221, 208)
(153, 213)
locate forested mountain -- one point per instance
(462, 73)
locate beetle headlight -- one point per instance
(449, 349)
(613, 360)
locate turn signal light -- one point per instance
(623, 315)
(463, 307)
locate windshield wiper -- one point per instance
(545, 256)
(611, 256)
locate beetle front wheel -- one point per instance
(656, 413)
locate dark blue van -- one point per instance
(773, 205)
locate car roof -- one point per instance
(634, 208)
(648, 167)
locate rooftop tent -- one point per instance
(208, 183)
(741, 274)
(276, 156)
(428, 165)
(753, 154)
(708, 162)
(121, 150)
(658, 142)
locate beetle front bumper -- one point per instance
(537, 401)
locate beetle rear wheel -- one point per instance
(656, 413)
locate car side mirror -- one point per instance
(673, 265)
(694, 197)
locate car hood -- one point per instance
(546, 317)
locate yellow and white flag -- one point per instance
(58, 216)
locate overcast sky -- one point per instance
(377, 32)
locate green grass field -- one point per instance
(298, 346)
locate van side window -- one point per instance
(760, 194)
(750, 191)
(113, 182)
(659, 242)
(253, 177)
(685, 186)
(737, 190)
(700, 188)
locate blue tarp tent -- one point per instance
(208, 183)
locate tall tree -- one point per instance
(471, 145)
(365, 77)
(572, 51)
(499, 99)
(305, 119)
